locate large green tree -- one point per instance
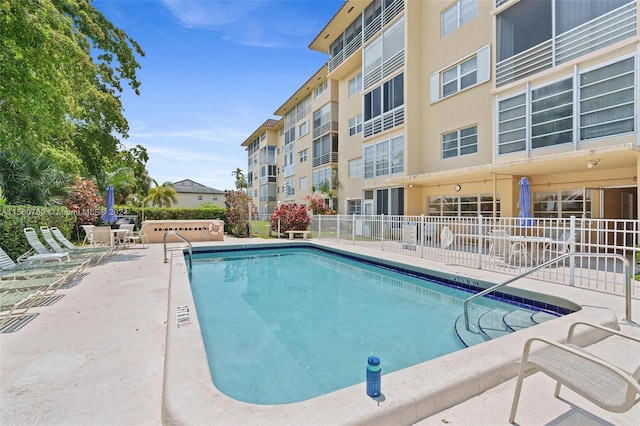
(62, 67)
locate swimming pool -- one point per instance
(283, 325)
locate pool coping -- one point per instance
(409, 395)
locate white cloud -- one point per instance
(210, 13)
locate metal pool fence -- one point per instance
(510, 245)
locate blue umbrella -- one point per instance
(109, 216)
(525, 217)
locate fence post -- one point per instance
(421, 236)
(480, 241)
(572, 249)
(319, 226)
(353, 229)
(338, 226)
(382, 232)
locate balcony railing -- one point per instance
(325, 128)
(389, 66)
(387, 15)
(603, 31)
(328, 158)
(383, 122)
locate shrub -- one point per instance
(317, 205)
(293, 217)
(85, 201)
(13, 219)
(237, 203)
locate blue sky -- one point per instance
(213, 72)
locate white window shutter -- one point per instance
(484, 64)
(434, 87)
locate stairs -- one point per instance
(490, 323)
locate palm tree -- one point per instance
(27, 177)
(241, 182)
(161, 195)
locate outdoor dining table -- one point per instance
(530, 246)
(117, 236)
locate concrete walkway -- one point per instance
(96, 357)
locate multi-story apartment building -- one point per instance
(445, 105)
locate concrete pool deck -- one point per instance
(97, 356)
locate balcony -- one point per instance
(610, 28)
(325, 128)
(383, 122)
(321, 160)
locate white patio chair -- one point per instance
(499, 244)
(560, 246)
(135, 237)
(597, 380)
(446, 237)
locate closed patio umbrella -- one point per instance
(525, 216)
(109, 216)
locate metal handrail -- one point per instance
(164, 241)
(627, 276)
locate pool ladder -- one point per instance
(164, 241)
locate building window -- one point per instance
(289, 136)
(469, 72)
(355, 125)
(303, 155)
(562, 204)
(460, 77)
(458, 14)
(467, 205)
(460, 142)
(303, 183)
(215, 198)
(199, 197)
(355, 167)
(354, 207)
(378, 157)
(320, 89)
(303, 129)
(384, 98)
(355, 85)
(289, 187)
(320, 176)
(607, 100)
(552, 114)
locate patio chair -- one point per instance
(123, 237)
(47, 285)
(88, 234)
(140, 236)
(500, 245)
(101, 236)
(595, 379)
(95, 256)
(15, 304)
(73, 249)
(38, 248)
(560, 246)
(11, 270)
(446, 237)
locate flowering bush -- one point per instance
(317, 204)
(293, 217)
(85, 200)
(237, 203)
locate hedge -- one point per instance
(13, 220)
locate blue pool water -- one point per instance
(286, 325)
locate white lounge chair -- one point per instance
(38, 248)
(597, 380)
(12, 270)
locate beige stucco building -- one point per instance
(194, 194)
(441, 107)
